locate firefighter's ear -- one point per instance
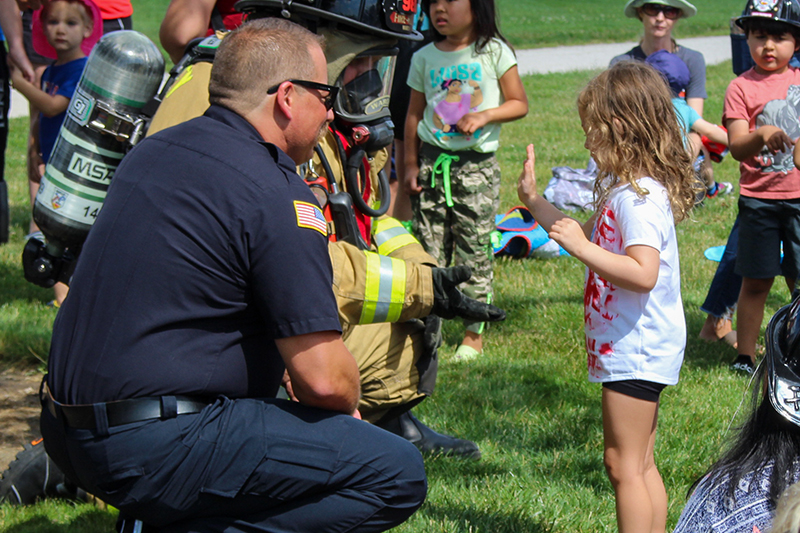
(285, 97)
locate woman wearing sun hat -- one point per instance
(659, 18)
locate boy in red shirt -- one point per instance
(761, 113)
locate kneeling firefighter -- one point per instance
(390, 293)
(384, 282)
(383, 279)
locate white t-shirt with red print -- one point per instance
(632, 335)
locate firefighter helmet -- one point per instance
(787, 11)
(783, 361)
(382, 18)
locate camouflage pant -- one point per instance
(460, 234)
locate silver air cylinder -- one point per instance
(103, 120)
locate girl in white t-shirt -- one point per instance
(635, 328)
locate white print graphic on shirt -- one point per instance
(784, 114)
(459, 94)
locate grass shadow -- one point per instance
(468, 519)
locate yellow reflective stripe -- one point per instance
(383, 224)
(372, 288)
(398, 294)
(186, 77)
(384, 290)
(390, 235)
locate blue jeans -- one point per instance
(724, 290)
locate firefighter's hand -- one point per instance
(449, 302)
(287, 385)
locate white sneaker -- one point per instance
(721, 188)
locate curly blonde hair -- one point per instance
(632, 130)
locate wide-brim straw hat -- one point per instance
(44, 48)
(687, 9)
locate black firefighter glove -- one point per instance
(449, 302)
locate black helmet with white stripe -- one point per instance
(783, 361)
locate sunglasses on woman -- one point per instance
(652, 10)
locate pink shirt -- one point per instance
(771, 99)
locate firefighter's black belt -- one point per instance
(123, 411)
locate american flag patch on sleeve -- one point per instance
(310, 216)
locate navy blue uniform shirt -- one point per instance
(208, 247)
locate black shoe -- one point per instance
(33, 476)
(743, 363)
(429, 441)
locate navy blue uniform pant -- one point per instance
(246, 465)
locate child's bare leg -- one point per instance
(33, 188)
(655, 485)
(33, 159)
(715, 328)
(750, 313)
(34, 182)
(400, 207)
(707, 171)
(60, 291)
(473, 340)
(629, 427)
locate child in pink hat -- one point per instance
(64, 30)
(91, 16)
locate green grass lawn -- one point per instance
(534, 24)
(527, 402)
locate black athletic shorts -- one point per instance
(637, 388)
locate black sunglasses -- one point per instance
(652, 10)
(328, 100)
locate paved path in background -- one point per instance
(546, 60)
(596, 56)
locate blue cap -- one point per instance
(672, 68)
